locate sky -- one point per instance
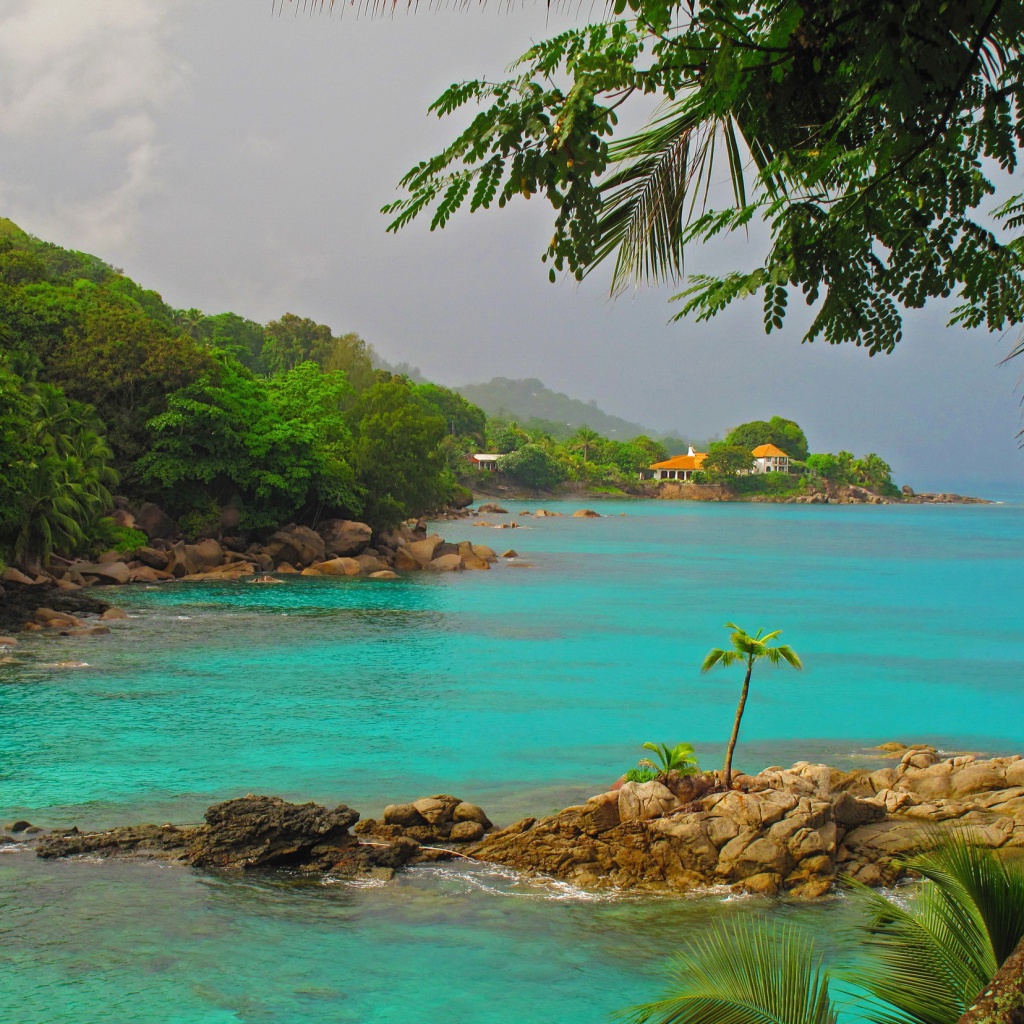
(233, 157)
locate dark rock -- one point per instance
(156, 842)
(86, 631)
(21, 825)
(298, 545)
(21, 600)
(492, 508)
(152, 557)
(466, 832)
(155, 523)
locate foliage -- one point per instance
(238, 337)
(924, 963)
(864, 137)
(279, 446)
(462, 417)
(723, 462)
(533, 466)
(396, 455)
(746, 650)
(508, 438)
(784, 434)
(871, 471)
(640, 774)
(680, 759)
(768, 483)
(111, 537)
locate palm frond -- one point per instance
(744, 972)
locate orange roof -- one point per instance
(682, 462)
(763, 451)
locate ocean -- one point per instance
(521, 689)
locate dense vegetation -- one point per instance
(106, 389)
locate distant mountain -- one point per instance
(533, 405)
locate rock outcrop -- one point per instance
(793, 830)
(248, 833)
(431, 819)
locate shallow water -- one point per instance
(521, 689)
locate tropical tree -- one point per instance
(680, 758)
(922, 963)
(747, 650)
(584, 441)
(784, 434)
(533, 466)
(865, 137)
(723, 462)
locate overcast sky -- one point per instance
(234, 159)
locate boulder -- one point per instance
(144, 574)
(405, 815)
(152, 557)
(113, 613)
(464, 811)
(511, 553)
(12, 575)
(405, 561)
(976, 778)
(344, 537)
(123, 518)
(466, 832)
(205, 555)
(370, 564)
(586, 513)
(492, 508)
(384, 574)
(111, 556)
(8, 641)
(638, 801)
(472, 562)
(179, 563)
(155, 523)
(298, 545)
(111, 572)
(447, 563)
(86, 631)
(424, 551)
(850, 811)
(437, 809)
(483, 551)
(601, 812)
(338, 567)
(49, 618)
(263, 831)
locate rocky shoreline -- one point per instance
(797, 830)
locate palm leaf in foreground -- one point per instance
(744, 973)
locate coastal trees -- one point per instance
(583, 441)
(533, 466)
(864, 137)
(746, 650)
(784, 434)
(396, 454)
(925, 962)
(723, 462)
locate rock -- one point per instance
(384, 574)
(601, 812)
(144, 574)
(311, 570)
(472, 562)
(12, 575)
(205, 555)
(110, 556)
(113, 613)
(907, 491)
(338, 567)
(638, 801)
(112, 572)
(492, 508)
(446, 563)
(464, 811)
(424, 551)
(437, 809)
(483, 551)
(511, 553)
(152, 557)
(405, 815)
(371, 563)
(155, 523)
(344, 538)
(50, 619)
(286, 569)
(179, 563)
(123, 518)
(262, 831)
(849, 811)
(8, 641)
(976, 778)
(891, 747)
(20, 825)
(405, 562)
(920, 757)
(86, 631)
(466, 832)
(298, 545)
(586, 513)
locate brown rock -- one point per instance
(483, 551)
(424, 551)
(12, 575)
(205, 555)
(511, 553)
(446, 563)
(464, 811)
(601, 812)
(344, 538)
(8, 641)
(155, 523)
(338, 567)
(404, 815)
(472, 562)
(976, 778)
(849, 811)
(466, 832)
(492, 508)
(437, 809)
(287, 569)
(144, 574)
(111, 556)
(371, 563)
(113, 613)
(111, 572)
(86, 631)
(298, 545)
(586, 513)
(152, 557)
(384, 574)
(638, 801)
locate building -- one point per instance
(769, 459)
(483, 460)
(679, 467)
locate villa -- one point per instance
(769, 459)
(680, 467)
(483, 460)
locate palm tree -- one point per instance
(926, 963)
(746, 649)
(583, 440)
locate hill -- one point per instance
(531, 404)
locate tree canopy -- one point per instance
(866, 134)
(784, 434)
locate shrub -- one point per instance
(111, 537)
(639, 774)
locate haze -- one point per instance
(235, 159)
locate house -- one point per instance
(483, 460)
(679, 467)
(769, 459)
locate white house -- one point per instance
(769, 459)
(483, 460)
(679, 467)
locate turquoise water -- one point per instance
(521, 689)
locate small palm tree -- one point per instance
(747, 649)
(584, 440)
(922, 964)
